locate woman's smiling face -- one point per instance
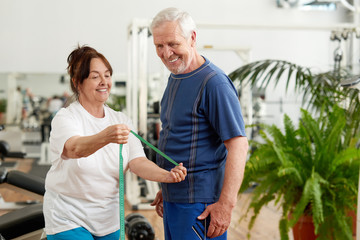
(96, 88)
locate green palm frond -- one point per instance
(311, 128)
(311, 195)
(266, 71)
(319, 90)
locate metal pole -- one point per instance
(143, 86)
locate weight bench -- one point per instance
(5, 152)
(27, 220)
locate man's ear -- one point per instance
(193, 39)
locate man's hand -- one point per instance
(220, 218)
(158, 203)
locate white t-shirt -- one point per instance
(84, 192)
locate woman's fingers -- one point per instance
(118, 133)
(179, 173)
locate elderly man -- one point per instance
(203, 127)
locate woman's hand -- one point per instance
(83, 146)
(148, 170)
(118, 133)
(177, 174)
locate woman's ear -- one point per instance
(74, 83)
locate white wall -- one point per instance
(36, 36)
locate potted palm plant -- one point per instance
(311, 170)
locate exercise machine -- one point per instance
(5, 149)
(6, 153)
(12, 137)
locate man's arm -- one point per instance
(234, 169)
(221, 211)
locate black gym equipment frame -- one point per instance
(27, 219)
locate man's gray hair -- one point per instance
(186, 23)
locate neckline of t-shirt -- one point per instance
(91, 116)
(190, 74)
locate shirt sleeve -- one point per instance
(222, 106)
(63, 127)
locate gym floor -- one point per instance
(265, 227)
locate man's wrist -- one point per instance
(229, 202)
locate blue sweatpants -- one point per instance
(180, 222)
(82, 234)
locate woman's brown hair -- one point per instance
(79, 65)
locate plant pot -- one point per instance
(304, 229)
(2, 118)
(352, 214)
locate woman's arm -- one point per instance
(78, 146)
(147, 169)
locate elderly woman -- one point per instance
(81, 199)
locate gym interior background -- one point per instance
(36, 37)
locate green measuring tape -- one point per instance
(155, 149)
(121, 181)
(121, 196)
